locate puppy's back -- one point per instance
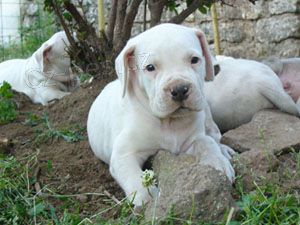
(10, 71)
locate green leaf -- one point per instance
(203, 9)
(37, 209)
(67, 16)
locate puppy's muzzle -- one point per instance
(180, 92)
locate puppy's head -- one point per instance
(168, 64)
(54, 59)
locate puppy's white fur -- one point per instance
(135, 116)
(45, 75)
(242, 88)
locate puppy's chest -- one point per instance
(175, 140)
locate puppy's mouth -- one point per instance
(183, 111)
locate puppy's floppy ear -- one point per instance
(46, 54)
(124, 65)
(207, 55)
(42, 56)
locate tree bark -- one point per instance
(120, 17)
(62, 21)
(156, 8)
(145, 16)
(111, 21)
(129, 19)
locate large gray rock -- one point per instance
(242, 9)
(234, 33)
(189, 188)
(287, 48)
(269, 130)
(283, 6)
(278, 28)
(255, 166)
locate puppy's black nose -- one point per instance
(180, 92)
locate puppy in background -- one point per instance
(288, 71)
(44, 76)
(242, 88)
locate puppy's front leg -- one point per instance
(210, 153)
(212, 130)
(126, 167)
(298, 105)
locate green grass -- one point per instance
(20, 204)
(8, 111)
(83, 77)
(268, 205)
(49, 133)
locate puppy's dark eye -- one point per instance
(150, 67)
(195, 60)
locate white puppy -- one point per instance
(242, 88)
(45, 75)
(157, 103)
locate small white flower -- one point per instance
(148, 178)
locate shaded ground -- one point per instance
(66, 168)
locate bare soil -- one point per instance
(66, 168)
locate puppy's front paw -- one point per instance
(227, 151)
(144, 195)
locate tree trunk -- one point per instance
(120, 17)
(156, 8)
(112, 21)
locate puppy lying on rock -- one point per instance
(44, 76)
(242, 88)
(156, 103)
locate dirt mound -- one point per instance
(67, 168)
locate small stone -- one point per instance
(82, 198)
(5, 146)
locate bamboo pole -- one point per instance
(101, 20)
(214, 16)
